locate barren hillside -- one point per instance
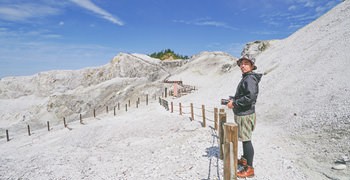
(303, 114)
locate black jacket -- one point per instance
(246, 94)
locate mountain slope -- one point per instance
(308, 91)
(53, 95)
(303, 114)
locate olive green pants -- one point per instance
(246, 125)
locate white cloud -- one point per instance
(291, 8)
(295, 26)
(87, 4)
(235, 49)
(61, 23)
(206, 22)
(23, 55)
(300, 13)
(309, 3)
(265, 32)
(8, 35)
(322, 9)
(24, 12)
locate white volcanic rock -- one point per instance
(253, 49)
(66, 93)
(339, 167)
(302, 114)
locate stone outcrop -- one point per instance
(71, 92)
(253, 49)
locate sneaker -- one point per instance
(242, 163)
(246, 173)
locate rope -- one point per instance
(214, 152)
(210, 111)
(209, 119)
(212, 107)
(197, 115)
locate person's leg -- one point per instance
(248, 152)
(247, 127)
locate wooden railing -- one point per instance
(93, 114)
(228, 134)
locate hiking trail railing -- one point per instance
(228, 133)
(94, 113)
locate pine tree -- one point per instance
(167, 54)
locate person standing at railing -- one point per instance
(243, 105)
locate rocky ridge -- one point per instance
(68, 93)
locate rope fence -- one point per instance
(228, 133)
(92, 113)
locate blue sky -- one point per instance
(41, 35)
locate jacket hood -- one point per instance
(258, 76)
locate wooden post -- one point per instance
(165, 104)
(230, 150)
(28, 130)
(138, 100)
(175, 89)
(107, 109)
(126, 107)
(129, 103)
(166, 92)
(118, 106)
(48, 126)
(137, 104)
(81, 119)
(192, 113)
(222, 121)
(146, 99)
(114, 110)
(7, 135)
(216, 118)
(180, 109)
(94, 113)
(203, 115)
(64, 122)
(171, 107)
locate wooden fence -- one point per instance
(228, 133)
(94, 114)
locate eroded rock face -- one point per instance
(71, 92)
(57, 94)
(253, 49)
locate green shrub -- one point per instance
(167, 54)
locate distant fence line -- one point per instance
(94, 114)
(97, 111)
(228, 133)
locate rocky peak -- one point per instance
(253, 49)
